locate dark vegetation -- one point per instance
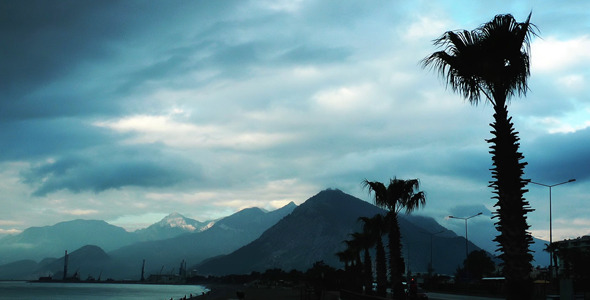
(575, 266)
(478, 264)
(320, 277)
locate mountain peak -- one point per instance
(90, 252)
(330, 197)
(174, 215)
(176, 220)
(290, 204)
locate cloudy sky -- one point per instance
(129, 110)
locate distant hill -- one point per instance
(316, 231)
(171, 226)
(225, 236)
(87, 261)
(36, 243)
(19, 270)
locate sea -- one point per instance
(94, 291)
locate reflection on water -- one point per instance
(94, 291)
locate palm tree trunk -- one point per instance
(396, 261)
(358, 270)
(368, 273)
(509, 188)
(381, 266)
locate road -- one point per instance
(439, 296)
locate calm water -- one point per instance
(92, 291)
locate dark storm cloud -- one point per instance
(306, 55)
(222, 100)
(43, 40)
(45, 43)
(61, 66)
(97, 173)
(558, 157)
(464, 211)
(38, 138)
(232, 46)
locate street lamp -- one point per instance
(466, 239)
(550, 218)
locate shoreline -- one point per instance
(220, 291)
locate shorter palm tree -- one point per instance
(365, 241)
(347, 257)
(376, 227)
(398, 195)
(353, 264)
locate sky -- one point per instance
(126, 111)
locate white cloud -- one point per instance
(569, 122)
(551, 54)
(426, 28)
(290, 6)
(148, 129)
(80, 212)
(133, 222)
(10, 222)
(347, 99)
(9, 231)
(574, 82)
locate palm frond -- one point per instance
(379, 190)
(456, 63)
(492, 60)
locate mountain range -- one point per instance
(292, 237)
(125, 259)
(36, 243)
(225, 236)
(316, 231)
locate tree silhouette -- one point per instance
(493, 60)
(477, 265)
(347, 257)
(365, 241)
(375, 228)
(351, 256)
(398, 195)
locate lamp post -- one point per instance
(466, 239)
(551, 220)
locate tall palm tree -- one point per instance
(398, 195)
(493, 61)
(375, 227)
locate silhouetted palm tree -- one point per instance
(354, 246)
(352, 254)
(347, 257)
(493, 60)
(376, 227)
(397, 196)
(365, 241)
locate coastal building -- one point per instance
(571, 253)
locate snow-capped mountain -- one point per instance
(172, 225)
